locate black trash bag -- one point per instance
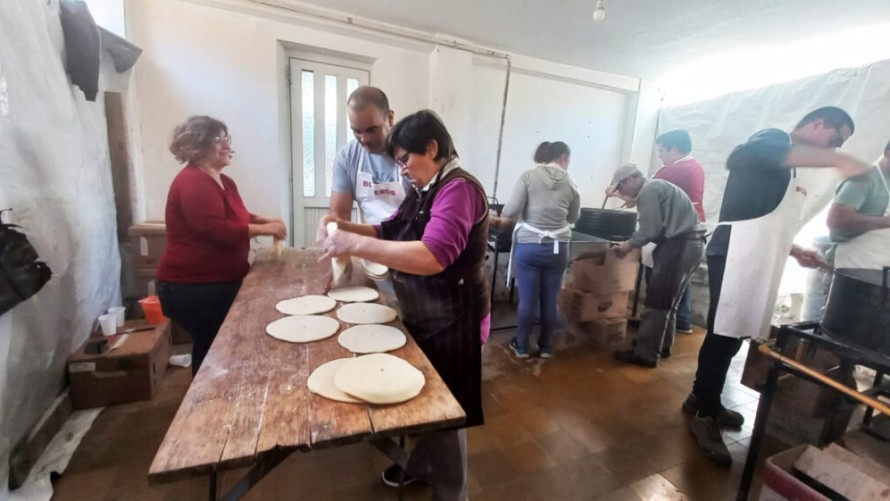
(21, 274)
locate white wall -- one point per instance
(206, 60)
(228, 60)
(55, 173)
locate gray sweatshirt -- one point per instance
(546, 198)
(665, 211)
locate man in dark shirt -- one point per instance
(759, 175)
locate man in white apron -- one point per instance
(759, 217)
(364, 173)
(859, 220)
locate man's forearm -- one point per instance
(846, 219)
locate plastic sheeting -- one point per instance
(718, 125)
(55, 174)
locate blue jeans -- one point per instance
(539, 275)
(684, 309)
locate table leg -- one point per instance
(763, 407)
(214, 486)
(264, 465)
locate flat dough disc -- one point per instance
(375, 270)
(380, 379)
(354, 294)
(306, 305)
(303, 329)
(321, 382)
(366, 313)
(372, 338)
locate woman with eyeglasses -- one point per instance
(546, 201)
(208, 234)
(435, 246)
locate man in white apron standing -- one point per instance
(364, 173)
(760, 215)
(859, 220)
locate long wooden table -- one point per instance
(249, 404)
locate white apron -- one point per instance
(542, 234)
(376, 201)
(871, 249)
(758, 250)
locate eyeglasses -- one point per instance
(223, 140)
(403, 160)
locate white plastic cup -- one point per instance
(108, 324)
(119, 312)
(184, 360)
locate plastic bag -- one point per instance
(21, 274)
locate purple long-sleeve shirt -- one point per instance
(457, 206)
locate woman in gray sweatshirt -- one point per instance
(545, 201)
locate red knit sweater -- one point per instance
(689, 176)
(207, 235)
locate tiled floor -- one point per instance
(579, 426)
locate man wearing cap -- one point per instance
(667, 218)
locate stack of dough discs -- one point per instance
(321, 381)
(303, 329)
(372, 338)
(374, 270)
(366, 313)
(306, 305)
(380, 379)
(354, 294)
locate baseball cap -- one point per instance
(624, 172)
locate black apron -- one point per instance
(443, 312)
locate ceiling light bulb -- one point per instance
(599, 12)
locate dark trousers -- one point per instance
(675, 261)
(684, 309)
(200, 309)
(716, 351)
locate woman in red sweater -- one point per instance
(208, 234)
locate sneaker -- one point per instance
(542, 353)
(517, 350)
(707, 433)
(687, 330)
(725, 417)
(391, 476)
(631, 357)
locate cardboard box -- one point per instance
(584, 306)
(757, 365)
(128, 373)
(603, 272)
(792, 427)
(178, 334)
(605, 332)
(149, 241)
(780, 482)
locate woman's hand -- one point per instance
(322, 233)
(276, 229)
(340, 243)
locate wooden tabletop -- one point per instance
(250, 395)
